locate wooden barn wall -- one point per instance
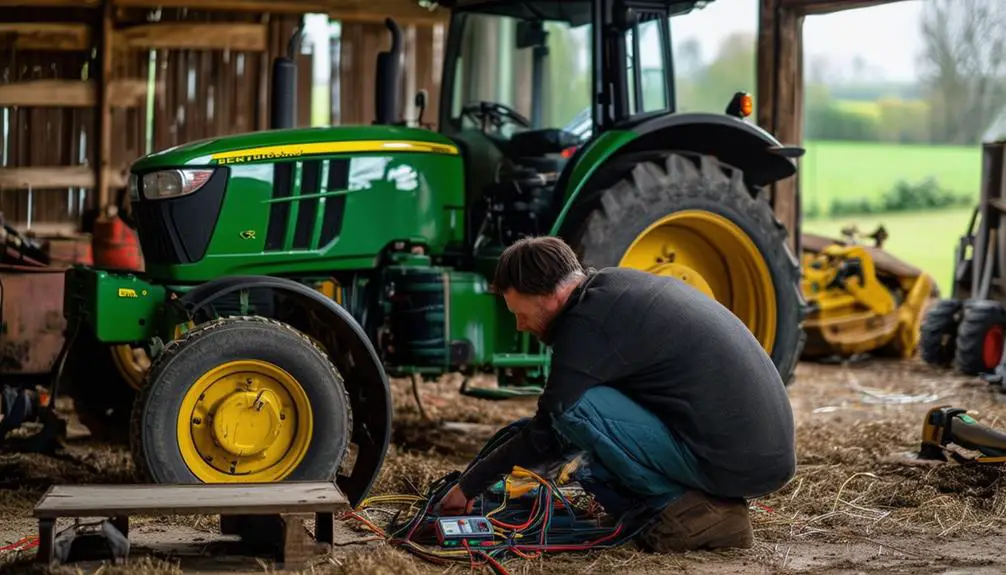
(354, 70)
(199, 93)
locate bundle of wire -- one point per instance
(539, 520)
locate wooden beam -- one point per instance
(103, 118)
(50, 3)
(45, 36)
(123, 93)
(193, 36)
(819, 7)
(780, 98)
(403, 11)
(52, 177)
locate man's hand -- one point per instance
(455, 503)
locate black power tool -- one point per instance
(947, 425)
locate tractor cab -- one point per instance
(524, 87)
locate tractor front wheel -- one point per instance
(980, 337)
(694, 218)
(241, 399)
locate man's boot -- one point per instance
(699, 521)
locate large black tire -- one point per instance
(938, 338)
(658, 184)
(102, 399)
(155, 442)
(980, 337)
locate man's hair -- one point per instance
(536, 266)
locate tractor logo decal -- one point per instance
(127, 293)
(297, 150)
(248, 235)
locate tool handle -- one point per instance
(970, 434)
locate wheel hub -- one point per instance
(247, 422)
(244, 420)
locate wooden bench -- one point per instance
(288, 504)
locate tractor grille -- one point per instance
(178, 230)
(302, 204)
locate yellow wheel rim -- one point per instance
(132, 364)
(715, 256)
(244, 421)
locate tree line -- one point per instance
(958, 99)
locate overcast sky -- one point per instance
(886, 37)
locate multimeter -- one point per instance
(454, 530)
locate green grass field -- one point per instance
(854, 170)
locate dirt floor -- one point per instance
(859, 502)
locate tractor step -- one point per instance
(500, 393)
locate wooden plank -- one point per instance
(104, 120)
(43, 93)
(373, 11)
(247, 37)
(123, 93)
(47, 36)
(202, 499)
(50, 3)
(818, 7)
(49, 177)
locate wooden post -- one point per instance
(103, 165)
(780, 97)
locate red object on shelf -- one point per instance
(116, 246)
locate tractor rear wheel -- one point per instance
(937, 343)
(980, 337)
(241, 399)
(694, 218)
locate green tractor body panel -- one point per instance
(119, 308)
(299, 201)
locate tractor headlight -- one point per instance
(174, 183)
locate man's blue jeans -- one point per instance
(629, 457)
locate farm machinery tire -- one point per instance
(938, 337)
(979, 344)
(692, 217)
(102, 396)
(241, 399)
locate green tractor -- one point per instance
(290, 273)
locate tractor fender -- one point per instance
(733, 141)
(364, 375)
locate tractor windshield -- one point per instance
(530, 74)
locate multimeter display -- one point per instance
(458, 528)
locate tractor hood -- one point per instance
(272, 145)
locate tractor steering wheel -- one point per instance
(485, 113)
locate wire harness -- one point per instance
(541, 519)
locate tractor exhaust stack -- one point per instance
(282, 113)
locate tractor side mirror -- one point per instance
(531, 34)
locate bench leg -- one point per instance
(297, 548)
(324, 528)
(46, 541)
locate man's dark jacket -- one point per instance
(679, 354)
